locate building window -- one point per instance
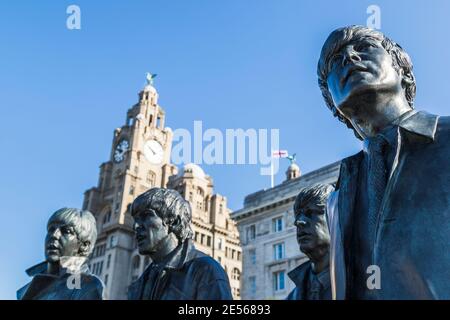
(220, 208)
(112, 241)
(98, 268)
(278, 251)
(202, 239)
(236, 274)
(108, 261)
(277, 224)
(107, 217)
(131, 190)
(278, 281)
(208, 241)
(219, 259)
(251, 232)
(252, 284)
(252, 254)
(219, 243)
(106, 280)
(151, 178)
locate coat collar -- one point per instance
(299, 274)
(420, 123)
(70, 265)
(184, 253)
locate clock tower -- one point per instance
(139, 160)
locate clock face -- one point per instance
(121, 149)
(153, 151)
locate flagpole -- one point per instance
(271, 170)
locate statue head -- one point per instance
(357, 63)
(311, 220)
(70, 233)
(159, 213)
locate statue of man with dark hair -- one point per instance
(312, 278)
(64, 275)
(390, 213)
(178, 271)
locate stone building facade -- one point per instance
(268, 235)
(140, 160)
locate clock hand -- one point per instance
(151, 149)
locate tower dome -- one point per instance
(293, 171)
(194, 169)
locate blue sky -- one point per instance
(232, 64)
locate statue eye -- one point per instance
(67, 230)
(363, 46)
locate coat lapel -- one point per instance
(347, 187)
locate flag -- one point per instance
(280, 154)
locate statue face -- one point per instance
(312, 228)
(150, 230)
(359, 68)
(61, 240)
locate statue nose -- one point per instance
(350, 55)
(56, 233)
(300, 223)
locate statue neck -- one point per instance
(373, 112)
(53, 268)
(164, 248)
(320, 259)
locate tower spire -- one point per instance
(149, 76)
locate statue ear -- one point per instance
(407, 78)
(175, 225)
(84, 248)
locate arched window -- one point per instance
(106, 214)
(151, 178)
(107, 217)
(236, 274)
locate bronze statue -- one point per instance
(178, 271)
(312, 278)
(390, 213)
(64, 275)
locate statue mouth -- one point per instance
(304, 236)
(350, 71)
(52, 247)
